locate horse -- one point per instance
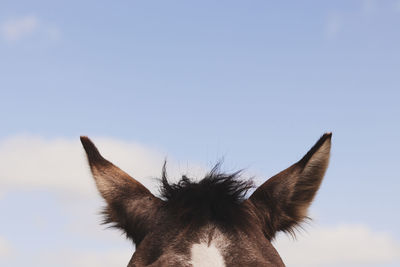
(210, 222)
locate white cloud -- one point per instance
(60, 164)
(345, 245)
(19, 28)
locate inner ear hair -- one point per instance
(283, 200)
(130, 205)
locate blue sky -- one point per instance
(254, 82)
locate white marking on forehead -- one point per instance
(204, 255)
(209, 252)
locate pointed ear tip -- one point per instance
(86, 142)
(327, 136)
(88, 145)
(91, 150)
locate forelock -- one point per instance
(216, 198)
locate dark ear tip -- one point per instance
(84, 139)
(91, 150)
(87, 143)
(327, 136)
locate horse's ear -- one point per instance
(130, 205)
(283, 200)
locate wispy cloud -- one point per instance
(60, 164)
(19, 28)
(345, 245)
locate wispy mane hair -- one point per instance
(216, 198)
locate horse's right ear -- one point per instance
(283, 200)
(130, 205)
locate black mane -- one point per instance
(216, 198)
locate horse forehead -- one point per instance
(210, 249)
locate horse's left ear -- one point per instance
(283, 200)
(130, 205)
